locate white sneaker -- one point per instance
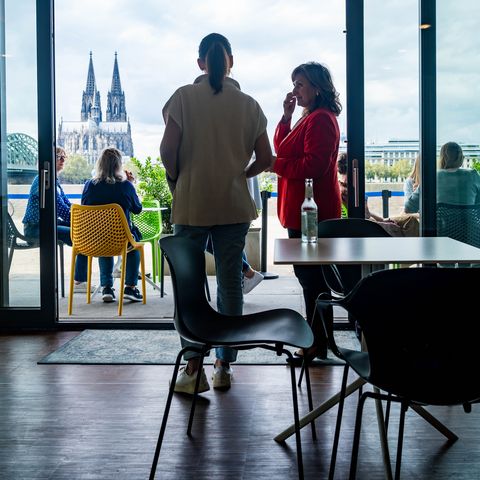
(186, 383)
(222, 377)
(250, 283)
(82, 287)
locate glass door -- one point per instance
(27, 219)
(391, 56)
(458, 107)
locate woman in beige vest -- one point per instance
(212, 129)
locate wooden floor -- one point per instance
(101, 422)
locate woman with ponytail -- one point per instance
(212, 130)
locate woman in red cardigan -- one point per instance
(309, 149)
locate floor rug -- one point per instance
(157, 347)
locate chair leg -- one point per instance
(387, 412)
(122, 281)
(72, 274)
(336, 438)
(162, 273)
(62, 269)
(302, 371)
(89, 278)
(296, 415)
(207, 289)
(310, 401)
(356, 437)
(401, 426)
(195, 395)
(142, 269)
(154, 261)
(165, 416)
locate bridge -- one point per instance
(22, 158)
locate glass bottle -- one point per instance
(309, 214)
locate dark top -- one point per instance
(122, 193)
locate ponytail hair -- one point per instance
(214, 50)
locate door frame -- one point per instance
(44, 316)
(427, 111)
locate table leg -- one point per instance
(383, 437)
(321, 409)
(434, 422)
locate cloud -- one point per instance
(157, 44)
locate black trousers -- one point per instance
(313, 284)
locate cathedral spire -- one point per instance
(116, 111)
(116, 85)
(91, 96)
(91, 84)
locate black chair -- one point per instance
(416, 357)
(162, 276)
(460, 222)
(17, 241)
(342, 278)
(196, 321)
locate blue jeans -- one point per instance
(245, 264)
(228, 243)
(131, 271)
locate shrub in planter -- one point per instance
(152, 184)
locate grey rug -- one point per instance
(158, 347)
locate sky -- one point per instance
(157, 45)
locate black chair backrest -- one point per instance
(187, 269)
(422, 331)
(347, 228)
(460, 222)
(350, 228)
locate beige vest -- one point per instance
(218, 136)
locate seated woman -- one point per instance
(31, 219)
(111, 184)
(456, 185)
(412, 182)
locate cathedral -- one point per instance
(91, 134)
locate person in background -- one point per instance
(309, 149)
(405, 225)
(212, 129)
(111, 184)
(31, 219)
(456, 185)
(412, 182)
(343, 182)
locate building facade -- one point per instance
(89, 136)
(399, 149)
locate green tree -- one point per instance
(152, 184)
(400, 169)
(76, 170)
(476, 164)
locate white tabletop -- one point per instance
(374, 251)
(153, 209)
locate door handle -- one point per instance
(44, 183)
(355, 180)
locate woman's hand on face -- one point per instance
(289, 106)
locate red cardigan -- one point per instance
(308, 151)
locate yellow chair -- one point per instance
(102, 231)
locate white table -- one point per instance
(371, 254)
